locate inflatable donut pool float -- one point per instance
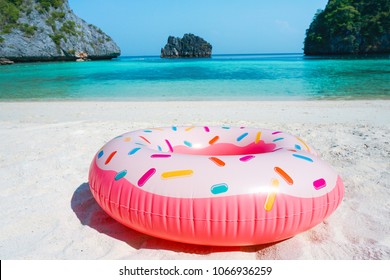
(225, 186)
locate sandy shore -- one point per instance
(48, 212)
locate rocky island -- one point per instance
(190, 46)
(48, 30)
(350, 27)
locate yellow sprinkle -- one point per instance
(269, 202)
(258, 135)
(127, 139)
(177, 173)
(307, 147)
(189, 128)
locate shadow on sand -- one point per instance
(91, 214)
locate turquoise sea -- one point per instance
(223, 77)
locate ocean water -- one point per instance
(223, 77)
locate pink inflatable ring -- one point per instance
(214, 185)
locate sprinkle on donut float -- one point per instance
(227, 186)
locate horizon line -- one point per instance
(220, 54)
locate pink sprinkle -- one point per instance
(207, 129)
(276, 132)
(169, 146)
(319, 184)
(148, 174)
(160, 156)
(247, 158)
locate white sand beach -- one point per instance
(48, 212)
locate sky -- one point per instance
(142, 27)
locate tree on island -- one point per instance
(350, 27)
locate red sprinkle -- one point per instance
(110, 157)
(145, 139)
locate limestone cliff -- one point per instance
(190, 46)
(47, 30)
(350, 27)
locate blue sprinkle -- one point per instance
(100, 154)
(303, 157)
(219, 188)
(133, 151)
(118, 136)
(278, 139)
(147, 131)
(174, 128)
(140, 144)
(159, 148)
(188, 144)
(298, 147)
(120, 175)
(226, 127)
(242, 136)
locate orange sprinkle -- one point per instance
(145, 139)
(217, 161)
(110, 157)
(127, 139)
(258, 135)
(215, 139)
(284, 175)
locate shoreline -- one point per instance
(232, 99)
(48, 211)
(293, 111)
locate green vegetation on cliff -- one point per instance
(11, 10)
(350, 27)
(47, 4)
(48, 30)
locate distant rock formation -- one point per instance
(350, 27)
(5, 61)
(48, 30)
(190, 46)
